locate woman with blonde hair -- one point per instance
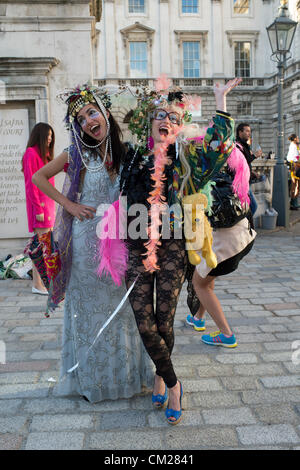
(156, 174)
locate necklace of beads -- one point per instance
(97, 168)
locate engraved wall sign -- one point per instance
(14, 132)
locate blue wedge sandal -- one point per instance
(170, 413)
(160, 401)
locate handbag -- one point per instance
(227, 209)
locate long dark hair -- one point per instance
(118, 148)
(39, 137)
(292, 137)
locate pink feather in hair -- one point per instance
(238, 164)
(112, 251)
(192, 102)
(162, 83)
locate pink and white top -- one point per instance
(36, 201)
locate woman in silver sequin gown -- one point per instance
(116, 365)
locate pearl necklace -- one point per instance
(83, 159)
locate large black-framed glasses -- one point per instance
(160, 114)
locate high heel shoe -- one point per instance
(170, 413)
(160, 401)
(34, 290)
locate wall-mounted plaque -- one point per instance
(14, 132)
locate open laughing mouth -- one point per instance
(95, 130)
(164, 131)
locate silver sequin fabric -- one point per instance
(117, 366)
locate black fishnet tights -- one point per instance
(156, 325)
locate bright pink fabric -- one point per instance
(36, 201)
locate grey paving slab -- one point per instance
(13, 424)
(229, 416)
(245, 398)
(270, 414)
(273, 434)
(61, 422)
(55, 441)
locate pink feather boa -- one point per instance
(112, 250)
(238, 164)
(157, 203)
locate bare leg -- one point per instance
(174, 398)
(36, 278)
(159, 385)
(204, 289)
(200, 313)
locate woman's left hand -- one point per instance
(40, 217)
(220, 92)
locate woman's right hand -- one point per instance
(220, 92)
(80, 211)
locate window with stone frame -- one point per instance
(189, 6)
(241, 7)
(244, 108)
(138, 54)
(136, 6)
(242, 59)
(191, 59)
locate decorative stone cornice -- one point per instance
(137, 29)
(242, 34)
(26, 70)
(182, 35)
(45, 19)
(28, 64)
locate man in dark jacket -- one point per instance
(243, 135)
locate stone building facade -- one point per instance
(45, 47)
(49, 45)
(199, 42)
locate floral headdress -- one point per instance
(75, 99)
(80, 96)
(140, 125)
(149, 100)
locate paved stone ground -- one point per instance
(245, 398)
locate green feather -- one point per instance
(207, 191)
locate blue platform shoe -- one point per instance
(160, 401)
(170, 413)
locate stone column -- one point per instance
(216, 42)
(110, 38)
(165, 37)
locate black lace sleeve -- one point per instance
(135, 181)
